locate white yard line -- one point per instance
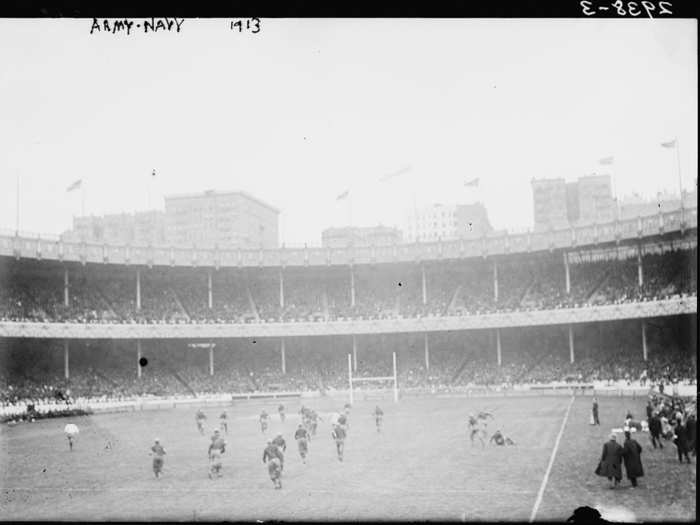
(538, 501)
(249, 491)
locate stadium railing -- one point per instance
(490, 245)
(559, 316)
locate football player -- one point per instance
(157, 451)
(338, 436)
(302, 438)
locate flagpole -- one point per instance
(415, 216)
(150, 183)
(614, 192)
(17, 223)
(82, 198)
(680, 180)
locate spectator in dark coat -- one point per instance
(691, 427)
(596, 421)
(655, 430)
(610, 465)
(650, 410)
(680, 439)
(631, 454)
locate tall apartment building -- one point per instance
(595, 199)
(447, 222)
(558, 204)
(550, 201)
(227, 219)
(360, 236)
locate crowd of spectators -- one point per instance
(318, 367)
(453, 289)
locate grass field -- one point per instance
(421, 466)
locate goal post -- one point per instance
(393, 378)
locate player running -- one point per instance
(223, 422)
(500, 439)
(216, 448)
(281, 444)
(274, 458)
(200, 418)
(343, 423)
(306, 420)
(378, 416)
(314, 419)
(264, 420)
(302, 438)
(280, 409)
(474, 430)
(157, 451)
(338, 436)
(72, 432)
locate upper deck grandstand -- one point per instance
(501, 304)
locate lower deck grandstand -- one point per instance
(606, 353)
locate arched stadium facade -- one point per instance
(287, 319)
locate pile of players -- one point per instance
(478, 430)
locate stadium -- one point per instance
(128, 341)
(345, 269)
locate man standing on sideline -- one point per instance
(691, 428)
(655, 430)
(610, 465)
(680, 439)
(631, 455)
(596, 421)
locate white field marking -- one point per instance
(538, 501)
(252, 491)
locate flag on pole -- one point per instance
(77, 184)
(343, 195)
(472, 183)
(671, 144)
(607, 161)
(395, 174)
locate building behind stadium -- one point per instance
(232, 219)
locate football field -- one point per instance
(421, 466)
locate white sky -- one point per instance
(306, 109)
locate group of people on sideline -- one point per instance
(668, 419)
